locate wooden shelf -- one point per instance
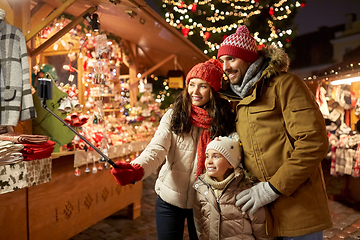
(109, 110)
(103, 95)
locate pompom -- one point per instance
(234, 135)
(215, 62)
(242, 29)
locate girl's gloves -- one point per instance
(126, 173)
(256, 197)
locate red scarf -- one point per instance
(201, 118)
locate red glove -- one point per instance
(126, 173)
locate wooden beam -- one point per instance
(25, 16)
(131, 53)
(157, 66)
(39, 13)
(62, 32)
(9, 15)
(49, 19)
(37, 8)
(17, 11)
(146, 55)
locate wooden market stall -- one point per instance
(66, 205)
(340, 84)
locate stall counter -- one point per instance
(66, 205)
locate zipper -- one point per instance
(168, 170)
(192, 169)
(218, 198)
(212, 190)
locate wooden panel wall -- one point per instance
(68, 204)
(13, 215)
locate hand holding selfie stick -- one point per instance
(45, 93)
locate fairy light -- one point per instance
(213, 15)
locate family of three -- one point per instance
(241, 161)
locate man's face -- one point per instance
(234, 68)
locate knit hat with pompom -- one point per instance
(230, 147)
(209, 71)
(240, 45)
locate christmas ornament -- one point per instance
(193, 8)
(77, 172)
(207, 35)
(185, 31)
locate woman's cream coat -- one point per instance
(178, 173)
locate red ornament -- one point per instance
(185, 31)
(193, 8)
(224, 36)
(85, 66)
(207, 35)
(261, 46)
(287, 40)
(77, 172)
(302, 5)
(271, 11)
(181, 5)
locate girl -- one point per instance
(216, 216)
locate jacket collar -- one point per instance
(278, 60)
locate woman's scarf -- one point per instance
(201, 118)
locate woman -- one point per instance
(198, 115)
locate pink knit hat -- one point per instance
(209, 71)
(240, 45)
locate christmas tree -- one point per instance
(207, 22)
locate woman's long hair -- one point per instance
(219, 109)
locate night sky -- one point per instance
(329, 13)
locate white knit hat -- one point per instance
(229, 147)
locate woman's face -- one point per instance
(199, 91)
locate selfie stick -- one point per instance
(45, 93)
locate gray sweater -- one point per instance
(15, 94)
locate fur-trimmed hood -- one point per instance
(279, 60)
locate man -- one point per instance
(283, 135)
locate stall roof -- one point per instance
(139, 24)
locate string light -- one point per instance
(342, 75)
(214, 15)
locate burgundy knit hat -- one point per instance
(209, 71)
(240, 45)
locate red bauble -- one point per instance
(271, 11)
(302, 5)
(193, 8)
(185, 31)
(207, 35)
(181, 5)
(225, 36)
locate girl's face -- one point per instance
(199, 91)
(216, 165)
